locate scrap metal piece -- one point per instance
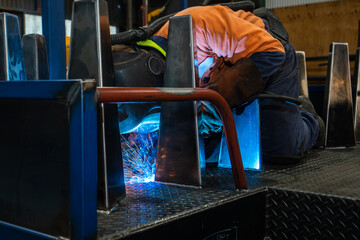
(303, 83)
(35, 57)
(178, 157)
(338, 108)
(90, 57)
(356, 97)
(12, 66)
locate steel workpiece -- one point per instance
(137, 94)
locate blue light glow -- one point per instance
(248, 132)
(150, 123)
(139, 156)
(204, 65)
(291, 103)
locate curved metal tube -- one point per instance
(137, 94)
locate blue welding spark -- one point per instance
(139, 156)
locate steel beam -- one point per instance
(53, 24)
(338, 107)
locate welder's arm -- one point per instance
(238, 82)
(209, 120)
(235, 84)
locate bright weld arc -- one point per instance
(139, 156)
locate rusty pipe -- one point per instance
(145, 9)
(137, 94)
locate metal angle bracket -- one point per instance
(248, 133)
(356, 97)
(338, 106)
(303, 83)
(12, 66)
(178, 157)
(91, 58)
(35, 57)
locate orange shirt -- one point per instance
(222, 32)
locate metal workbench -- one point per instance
(317, 198)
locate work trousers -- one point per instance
(286, 131)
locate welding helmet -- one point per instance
(138, 66)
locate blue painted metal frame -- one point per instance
(10, 231)
(83, 151)
(83, 165)
(53, 24)
(184, 4)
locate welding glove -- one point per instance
(237, 82)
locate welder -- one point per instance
(239, 54)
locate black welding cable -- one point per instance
(145, 32)
(247, 6)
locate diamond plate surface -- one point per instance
(333, 174)
(150, 204)
(297, 215)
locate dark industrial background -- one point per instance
(312, 27)
(117, 8)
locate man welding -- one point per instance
(240, 54)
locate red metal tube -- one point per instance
(136, 94)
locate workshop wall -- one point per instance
(313, 27)
(288, 3)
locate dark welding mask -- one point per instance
(138, 67)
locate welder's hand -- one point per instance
(238, 82)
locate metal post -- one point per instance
(129, 22)
(145, 12)
(91, 58)
(262, 3)
(179, 161)
(53, 24)
(338, 107)
(303, 83)
(114, 95)
(357, 95)
(184, 4)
